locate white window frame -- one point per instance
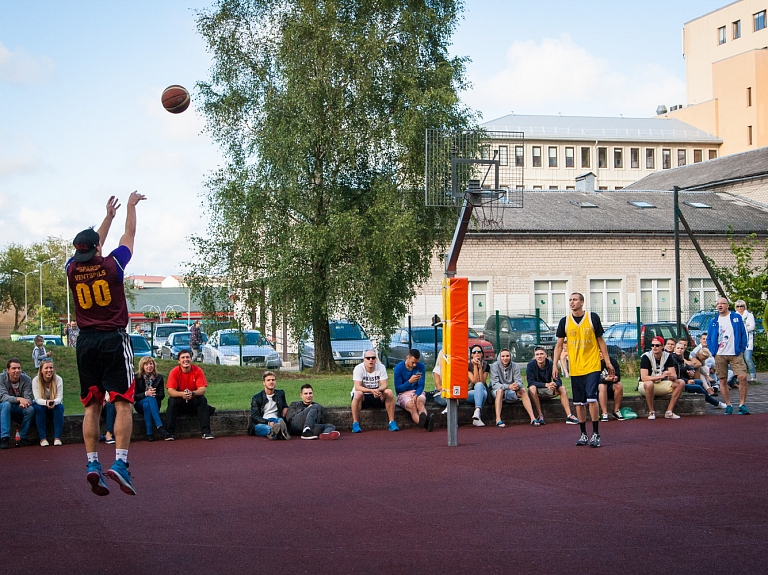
(604, 292)
(552, 316)
(652, 314)
(471, 293)
(701, 291)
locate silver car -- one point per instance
(348, 343)
(223, 348)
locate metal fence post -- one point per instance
(538, 326)
(498, 335)
(637, 316)
(410, 342)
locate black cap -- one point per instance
(85, 243)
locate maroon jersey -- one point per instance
(97, 288)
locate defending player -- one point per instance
(104, 352)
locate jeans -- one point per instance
(750, 363)
(198, 404)
(697, 388)
(262, 429)
(151, 411)
(478, 394)
(10, 411)
(440, 400)
(41, 416)
(311, 417)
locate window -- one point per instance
(713, 154)
(478, 296)
(503, 155)
(666, 158)
(701, 294)
(569, 158)
(552, 156)
(602, 157)
(536, 187)
(605, 299)
(485, 151)
(681, 158)
(641, 204)
(736, 29)
(634, 158)
(618, 158)
(553, 187)
(759, 20)
(519, 157)
(721, 35)
(619, 188)
(650, 159)
(585, 157)
(536, 154)
(602, 188)
(749, 135)
(582, 204)
(550, 299)
(655, 304)
(697, 156)
(749, 97)
(571, 188)
(698, 205)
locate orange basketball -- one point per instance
(175, 99)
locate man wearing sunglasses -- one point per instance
(370, 391)
(658, 377)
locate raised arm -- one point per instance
(130, 220)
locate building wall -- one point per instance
(704, 116)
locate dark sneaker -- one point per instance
(604, 417)
(119, 472)
(150, 437)
(168, 436)
(5, 443)
(594, 441)
(423, 420)
(163, 432)
(330, 435)
(308, 434)
(96, 479)
(583, 440)
(572, 420)
(208, 436)
(430, 422)
(743, 410)
(618, 415)
(26, 442)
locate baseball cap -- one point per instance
(658, 339)
(85, 245)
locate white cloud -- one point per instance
(19, 67)
(558, 76)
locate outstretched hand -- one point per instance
(135, 198)
(113, 204)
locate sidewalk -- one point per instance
(757, 397)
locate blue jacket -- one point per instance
(402, 375)
(739, 334)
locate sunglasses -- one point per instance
(371, 357)
(656, 345)
(477, 351)
(741, 306)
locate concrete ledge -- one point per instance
(230, 423)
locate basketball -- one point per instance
(175, 99)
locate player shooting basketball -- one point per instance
(104, 352)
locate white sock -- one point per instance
(93, 456)
(121, 454)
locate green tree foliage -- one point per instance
(321, 109)
(746, 279)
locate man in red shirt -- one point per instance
(186, 394)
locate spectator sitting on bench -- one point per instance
(305, 417)
(268, 410)
(658, 377)
(478, 382)
(507, 385)
(186, 394)
(410, 376)
(687, 373)
(369, 390)
(539, 375)
(610, 387)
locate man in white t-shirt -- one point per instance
(370, 390)
(727, 340)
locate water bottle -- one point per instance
(18, 438)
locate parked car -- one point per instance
(348, 343)
(518, 334)
(140, 346)
(175, 343)
(699, 323)
(223, 348)
(423, 339)
(49, 340)
(621, 338)
(163, 330)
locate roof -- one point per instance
(712, 173)
(551, 212)
(150, 279)
(591, 128)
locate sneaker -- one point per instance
(25, 442)
(150, 437)
(57, 442)
(44, 443)
(96, 479)
(721, 405)
(393, 426)
(356, 428)
(5, 443)
(595, 440)
(715, 390)
(583, 440)
(476, 414)
(274, 430)
(430, 422)
(671, 415)
(329, 435)
(284, 433)
(168, 436)
(308, 434)
(618, 415)
(208, 436)
(119, 472)
(541, 420)
(163, 432)
(729, 410)
(478, 422)
(743, 410)
(444, 412)
(572, 420)
(604, 417)
(652, 415)
(110, 441)
(423, 420)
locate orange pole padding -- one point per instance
(455, 337)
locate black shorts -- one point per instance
(105, 365)
(584, 387)
(371, 402)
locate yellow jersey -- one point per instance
(583, 351)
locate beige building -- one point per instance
(726, 59)
(618, 151)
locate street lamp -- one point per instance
(25, 274)
(40, 268)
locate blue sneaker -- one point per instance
(356, 428)
(96, 479)
(729, 410)
(393, 426)
(119, 472)
(743, 410)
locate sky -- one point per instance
(81, 119)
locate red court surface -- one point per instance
(663, 496)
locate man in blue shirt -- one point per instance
(409, 384)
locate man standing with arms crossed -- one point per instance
(585, 342)
(104, 352)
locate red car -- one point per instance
(476, 339)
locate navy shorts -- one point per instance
(105, 365)
(584, 387)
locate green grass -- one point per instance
(229, 387)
